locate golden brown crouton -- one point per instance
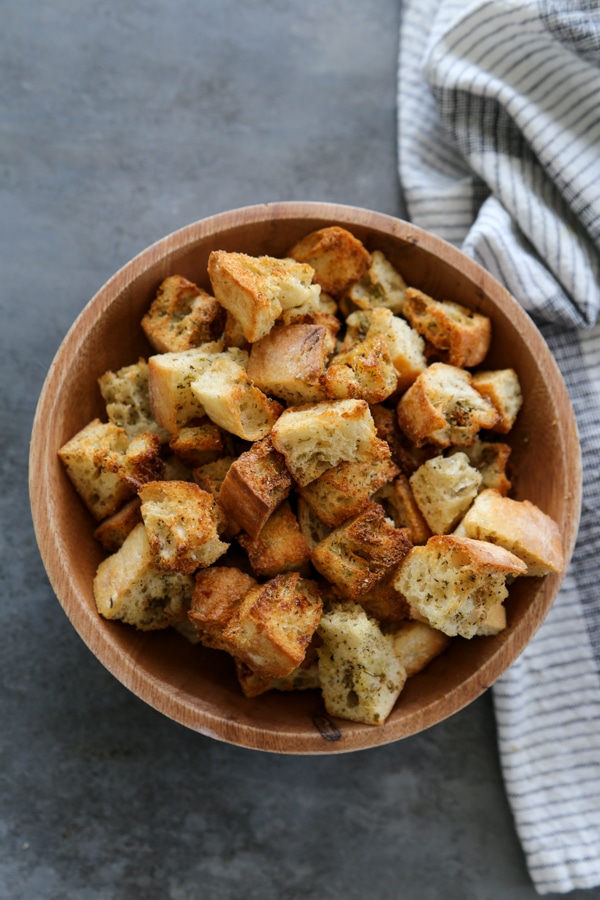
(405, 346)
(406, 456)
(337, 257)
(344, 490)
(181, 522)
(453, 582)
(182, 316)
(256, 290)
(461, 334)
(359, 553)
(84, 456)
(312, 527)
(279, 547)
(383, 602)
(490, 458)
(502, 387)
(365, 372)
(314, 438)
(129, 586)
(519, 526)
(443, 408)
(273, 626)
(416, 644)
(218, 591)
(397, 499)
(139, 463)
(255, 484)
(359, 673)
(127, 398)
(111, 533)
(199, 444)
(289, 361)
(304, 678)
(494, 622)
(170, 376)
(381, 285)
(444, 488)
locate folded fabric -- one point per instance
(499, 153)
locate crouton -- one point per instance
(383, 602)
(315, 438)
(405, 346)
(139, 462)
(453, 582)
(397, 499)
(279, 547)
(111, 533)
(127, 398)
(381, 285)
(442, 407)
(199, 444)
(416, 644)
(289, 361)
(337, 257)
(181, 523)
(100, 488)
(444, 488)
(128, 586)
(182, 316)
(304, 678)
(406, 456)
(344, 490)
(490, 458)
(462, 335)
(365, 372)
(233, 335)
(503, 389)
(231, 401)
(273, 626)
(359, 553)
(218, 591)
(255, 484)
(256, 290)
(312, 527)
(170, 376)
(494, 622)
(360, 676)
(519, 526)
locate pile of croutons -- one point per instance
(309, 475)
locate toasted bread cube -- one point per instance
(279, 547)
(444, 487)
(365, 372)
(256, 290)
(337, 257)
(384, 603)
(139, 463)
(397, 499)
(199, 444)
(463, 335)
(127, 398)
(443, 408)
(416, 644)
(314, 438)
(313, 529)
(405, 345)
(231, 401)
(360, 676)
(210, 478)
(176, 469)
(182, 316)
(233, 335)
(218, 591)
(304, 678)
(519, 526)
(343, 491)
(181, 522)
(503, 388)
(170, 376)
(494, 622)
(381, 285)
(406, 456)
(255, 484)
(273, 626)
(129, 586)
(321, 311)
(289, 361)
(490, 458)
(100, 488)
(112, 532)
(453, 582)
(359, 553)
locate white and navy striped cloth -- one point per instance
(499, 153)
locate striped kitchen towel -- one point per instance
(499, 153)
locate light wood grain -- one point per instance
(197, 687)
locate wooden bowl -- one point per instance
(195, 686)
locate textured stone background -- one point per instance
(120, 122)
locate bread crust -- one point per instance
(337, 257)
(463, 336)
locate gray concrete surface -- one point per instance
(121, 121)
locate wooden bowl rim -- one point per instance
(176, 704)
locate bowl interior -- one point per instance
(195, 686)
